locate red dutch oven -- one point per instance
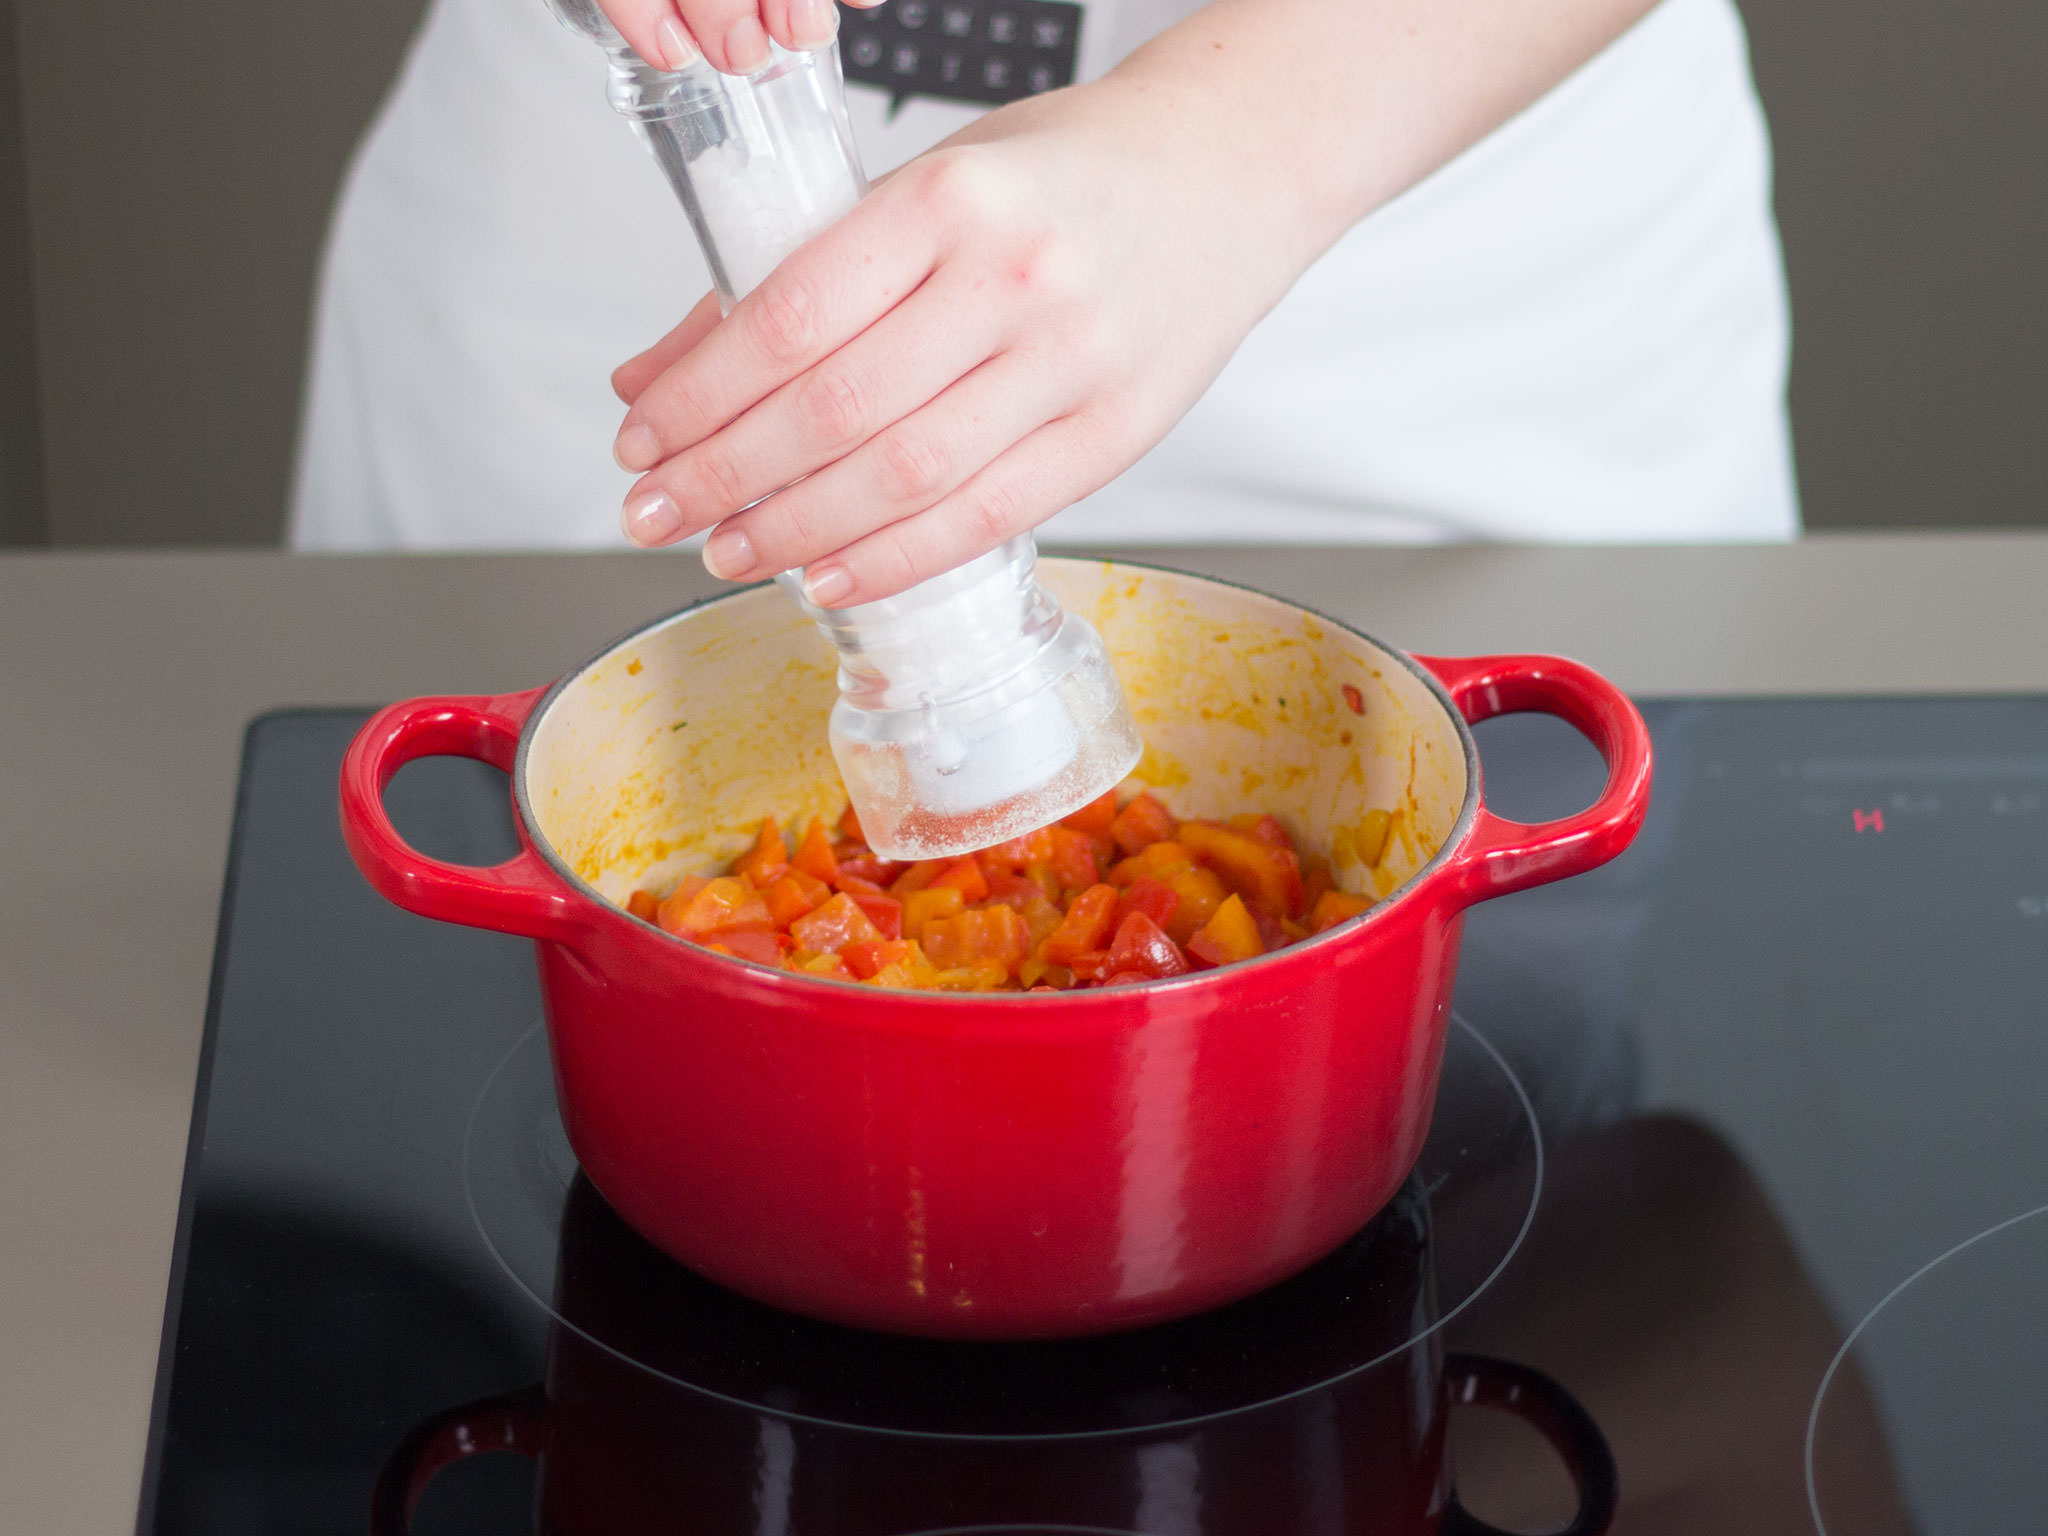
(999, 1165)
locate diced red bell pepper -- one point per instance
(1141, 823)
(1073, 859)
(1144, 894)
(963, 875)
(836, 924)
(1125, 978)
(762, 865)
(849, 825)
(643, 905)
(814, 854)
(1142, 946)
(1334, 907)
(853, 885)
(1265, 876)
(1089, 924)
(1096, 817)
(1231, 934)
(885, 912)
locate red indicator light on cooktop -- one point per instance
(1869, 821)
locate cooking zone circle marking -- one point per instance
(518, 1171)
(1870, 1320)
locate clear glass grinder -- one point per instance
(972, 708)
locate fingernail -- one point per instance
(746, 46)
(653, 519)
(678, 50)
(729, 554)
(636, 448)
(813, 23)
(826, 584)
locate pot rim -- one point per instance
(1446, 854)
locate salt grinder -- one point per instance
(972, 708)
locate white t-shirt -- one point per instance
(1575, 331)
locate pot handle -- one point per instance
(1484, 1382)
(513, 1421)
(521, 895)
(1501, 855)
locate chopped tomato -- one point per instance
(1142, 946)
(1073, 860)
(1150, 897)
(814, 854)
(865, 957)
(879, 873)
(978, 934)
(1036, 913)
(1013, 889)
(849, 825)
(1091, 966)
(763, 946)
(1141, 823)
(1089, 924)
(1231, 934)
(838, 923)
(722, 903)
(1019, 852)
(915, 877)
(1096, 817)
(1353, 699)
(792, 896)
(885, 912)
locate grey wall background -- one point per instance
(178, 163)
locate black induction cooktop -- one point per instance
(1743, 1140)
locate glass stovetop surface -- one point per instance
(1787, 1061)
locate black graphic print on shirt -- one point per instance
(987, 51)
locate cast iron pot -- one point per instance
(1317, 1408)
(999, 1166)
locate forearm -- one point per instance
(1312, 113)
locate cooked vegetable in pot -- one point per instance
(1115, 893)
